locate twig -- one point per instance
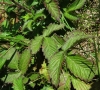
(21, 6)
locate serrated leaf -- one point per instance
(80, 85)
(14, 62)
(53, 8)
(9, 78)
(49, 47)
(74, 38)
(65, 81)
(51, 28)
(58, 40)
(81, 67)
(36, 44)
(54, 67)
(18, 84)
(24, 60)
(77, 4)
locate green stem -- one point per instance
(97, 60)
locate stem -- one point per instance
(97, 60)
(16, 3)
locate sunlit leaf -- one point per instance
(53, 8)
(36, 44)
(77, 4)
(24, 60)
(54, 67)
(44, 70)
(80, 85)
(10, 77)
(81, 67)
(70, 16)
(2, 62)
(14, 62)
(28, 24)
(9, 53)
(73, 38)
(51, 28)
(49, 47)
(47, 88)
(18, 84)
(58, 40)
(65, 81)
(34, 76)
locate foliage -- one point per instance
(39, 42)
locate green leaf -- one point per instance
(27, 16)
(81, 67)
(54, 67)
(47, 88)
(58, 40)
(74, 38)
(44, 70)
(18, 84)
(70, 16)
(2, 62)
(25, 80)
(80, 85)
(38, 14)
(9, 54)
(32, 84)
(24, 60)
(51, 28)
(28, 24)
(53, 8)
(20, 39)
(65, 81)
(14, 62)
(10, 77)
(36, 44)
(5, 23)
(49, 47)
(77, 4)
(34, 76)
